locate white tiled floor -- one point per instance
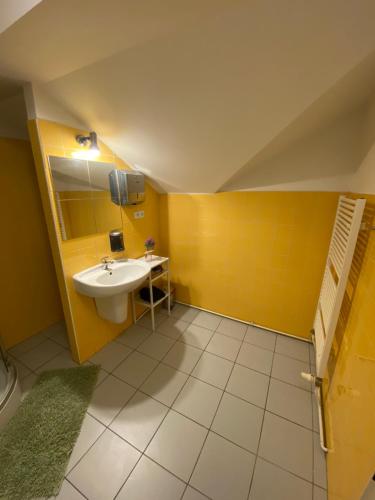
(207, 407)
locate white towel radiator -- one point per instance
(340, 254)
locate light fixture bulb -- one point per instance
(92, 151)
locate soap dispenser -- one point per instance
(116, 240)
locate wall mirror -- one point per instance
(82, 196)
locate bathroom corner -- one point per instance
(87, 331)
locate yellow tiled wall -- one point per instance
(29, 297)
(255, 256)
(350, 395)
(87, 212)
(87, 331)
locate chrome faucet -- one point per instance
(107, 261)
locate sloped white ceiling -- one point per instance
(190, 92)
(58, 37)
(11, 11)
(323, 160)
(322, 147)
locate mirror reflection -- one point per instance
(83, 198)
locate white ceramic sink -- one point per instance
(110, 287)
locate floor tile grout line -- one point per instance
(262, 425)
(246, 323)
(107, 426)
(161, 422)
(217, 409)
(245, 366)
(243, 340)
(143, 453)
(14, 359)
(220, 388)
(127, 477)
(170, 407)
(57, 342)
(37, 373)
(75, 487)
(206, 328)
(182, 371)
(264, 409)
(196, 489)
(46, 337)
(189, 374)
(178, 339)
(218, 434)
(210, 429)
(253, 474)
(132, 346)
(51, 359)
(293, 357)
(163, 467)
(68, 472)
(117, 365)
(314, 405)
(28, 350)
(288, 420)
(44, 363)
(311, 430)
(169, 472)
(288, 471)
(252, 369)
(312, 437)
(188, 417)
(137, 389)
(181, 389)
(313, 467)
(207, 429)
(159, 362)
(258, 345)
(234, 363)
(293, 385)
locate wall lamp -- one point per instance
(90, 140)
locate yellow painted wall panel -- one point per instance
(87, 331)
(255, 256)
(29, 297)
(350, 392)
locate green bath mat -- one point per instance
(36, 444)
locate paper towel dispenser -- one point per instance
(127, 188)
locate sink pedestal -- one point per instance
(113, 308)
(110, 285)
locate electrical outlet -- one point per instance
(139, 214)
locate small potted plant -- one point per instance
(149, 246)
